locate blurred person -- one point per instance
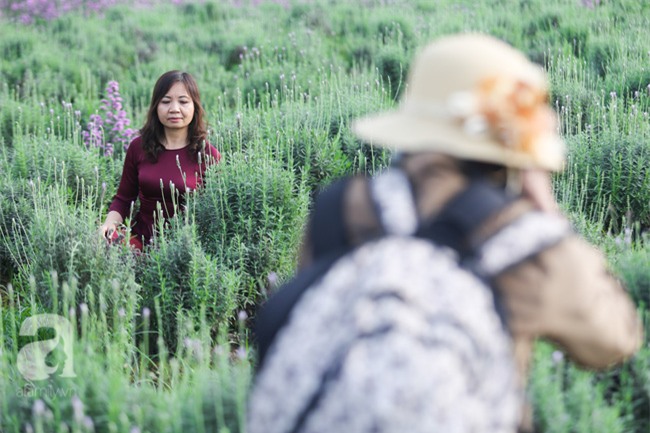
(168, 159)
(420, 291)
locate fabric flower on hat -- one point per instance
(513, 112)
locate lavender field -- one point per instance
(161, 342)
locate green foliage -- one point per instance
(318, 156)
(632, 83)
(84, 173)
(614, 177)
(392, 65)
(117, 389)
(320, 145)
(628, 386)
(396, 30)
(51, 238)
(568, 399)
(261, 84)
(600, 55)
(15, 207)
(251, 214)
(633, 267)
(178, 276)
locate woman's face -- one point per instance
(176, 109)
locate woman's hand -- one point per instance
(113, 220)
(106, 230)
(536, 186)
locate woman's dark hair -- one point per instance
(496, 173)
(153, 131)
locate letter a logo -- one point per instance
(31, 358)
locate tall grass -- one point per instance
(161, 340)
(117, 386)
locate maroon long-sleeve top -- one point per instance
(152, 183)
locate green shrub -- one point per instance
(577, 104)
(15, 211)
(395, 31)
(208, 12)
(392, 65)
(361, 53)
(260, 85)
(633, 266)
(628, 387)
(576, 36)
(631, 82)
(313, 16)
(16, 44)
(614, 176)
(250, 214)
(601, 54)
(567, 399)
(546, 22)
(53, 238)
(177, 276)
(320, 158)
(65, 161)
(117, 389)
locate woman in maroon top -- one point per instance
(166, 160)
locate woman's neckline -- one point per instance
(177, 148)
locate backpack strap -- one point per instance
(463, 215)
(392, 196)
(327, 232)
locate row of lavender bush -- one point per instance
(31, 11)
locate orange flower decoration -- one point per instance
(516, 113)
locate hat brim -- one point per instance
(407, 132)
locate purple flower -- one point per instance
(273, 280)
(241, 353)
(77, 408)
(29, 11)
(110, 128)
(39, 408)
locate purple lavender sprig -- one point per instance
(30, 11)
(109, 129)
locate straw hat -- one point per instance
(473, 97)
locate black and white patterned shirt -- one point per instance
(395, 337)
